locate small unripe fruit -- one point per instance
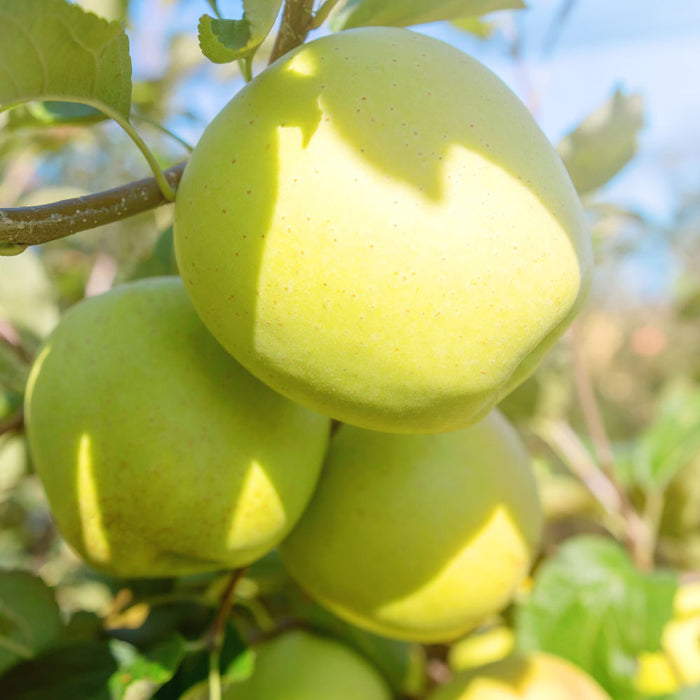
(303, 666)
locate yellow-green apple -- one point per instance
(376, 227)
(537, 676)
(303, 666)
(677, 664)
(418, 537)
(481, 647)
(160, 455)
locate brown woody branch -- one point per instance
(297, 22)
(25, 226)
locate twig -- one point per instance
(215, 634)
(637, 535)
(565, 442)
(589, 403)
(296, 23)
(13, 423)
(35, 225)
(214, 638)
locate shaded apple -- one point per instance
(418, 537)
(160, 455)
(302, 666)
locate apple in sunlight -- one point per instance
(159, 454)
(418, 537)
(677, 664)
(537, 676)
(302, 666)
(376, 227)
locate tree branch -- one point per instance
(638, 540)
(24, 226)
(13, 423)
(297, 22)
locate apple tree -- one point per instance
(330, 404)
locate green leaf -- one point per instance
(671, 442)
(29, 618)
(190, 679)
(403, 13)
(240, 667)
(604, 142)
(109, 9)
(27, 299)
(161, 261)
(591, 605)
(42, 114)
(52, 50)
(474, 25)
(80, 670)
(140, 674)
(226, 40)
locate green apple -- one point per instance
(418, 537)
(302, 666)
(160, 455)
(376, 227)
(538, 676)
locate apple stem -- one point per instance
(297, 21)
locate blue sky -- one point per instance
(640, 45)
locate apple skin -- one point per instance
(677, 665)
(537, 676)
(302, 666)
(159, 454)
(418, 537)
(376, 227)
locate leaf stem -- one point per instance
(164, 129)
(322, 13)
(163, 184)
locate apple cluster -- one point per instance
(373, 231)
